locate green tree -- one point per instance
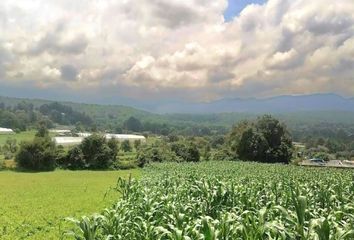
(10, 148)
(265, 140)
(133, 124)
(96, 152)
(137, 144)
(38, 155)
(42, 130)
(93, 153)
(125, 146)
(155, 153)
(187, 151)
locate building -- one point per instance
(122, 137)
(61, 132)
(119, 137)
(6, 131)
(70, 141)
(67, 141)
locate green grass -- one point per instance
(32, 205)
(20, 137)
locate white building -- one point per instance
(119, 137)
(60, 131)
(67, 141)
(6, 131)
(122, 137)
(84, 134)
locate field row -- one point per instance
(225, 200)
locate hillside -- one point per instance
(279, 104)
(105, 114)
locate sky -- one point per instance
(190, 50)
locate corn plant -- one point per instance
(227, 200)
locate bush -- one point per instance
(125, 146)
(38, 155)
(2, 164)
(266, 140)
(10, 148)
(187, 151)
(322, 155)
(93, 153)
(155, 153)
(223, 155)
(75, 159)
(137, 144)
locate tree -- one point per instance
(96, 152)
(10, 148)
(133, 124)
(93, 153)
(155, 153)
(38, 155)
(125, 146)
(114, 146)
(265, 140)
(187, 151)
(137, 144)
(42, 130)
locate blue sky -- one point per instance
(236, 6)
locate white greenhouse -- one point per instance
(67, 141)
(60, 131)
(122, 137)
(119, 137)
(6, 131)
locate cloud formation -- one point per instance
(179, 48)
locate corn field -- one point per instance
(227, 200)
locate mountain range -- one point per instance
(279, 104)
(275, 105)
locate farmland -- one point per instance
(34, 204)
(228, 200)
(20, 137)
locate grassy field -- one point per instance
(32, 205)
(22, 136)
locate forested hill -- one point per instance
(113, 117)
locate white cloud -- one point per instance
(164, 48)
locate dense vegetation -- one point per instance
(225, 200)
(265, 140)
(95, 152)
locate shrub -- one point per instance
(266, 140)
(137, 144)
(10, 148)
(74, 159)
(38, 155)
(223, 155)
(93, 153)
(155, 153)
(187, 151)
(2, 164)
(125, 146)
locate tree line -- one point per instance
(263, 140)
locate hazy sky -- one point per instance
(175, 49)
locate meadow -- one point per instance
(33, 205)
(20, 137)
(227, 200)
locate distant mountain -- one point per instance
(280, 104)
(294, 110)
